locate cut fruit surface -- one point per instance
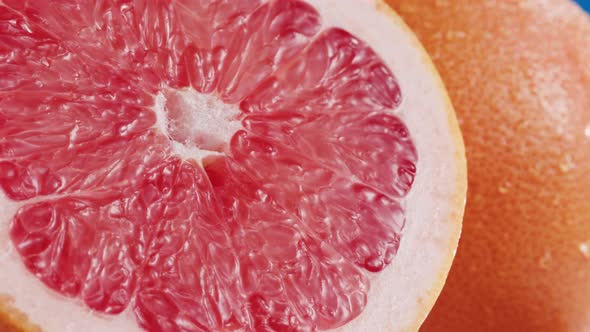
(222, 166)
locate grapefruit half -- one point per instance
(222, 166)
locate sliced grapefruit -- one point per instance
(222, 166)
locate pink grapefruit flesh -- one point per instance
(204, 165)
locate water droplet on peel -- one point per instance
(545, 260)
(587, 131)
(522, 125)
(442, 3)
(585, 249)
(450, 35)
(504, 188)
(566, 164)
(408, 8)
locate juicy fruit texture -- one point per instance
(520, 89)
(272, 223)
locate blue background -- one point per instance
(585, 4)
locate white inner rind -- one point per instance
(401, 295)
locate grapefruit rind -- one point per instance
(12, 320)
(401, 296)
(521, 93)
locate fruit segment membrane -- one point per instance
(203, 164)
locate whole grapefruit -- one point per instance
(519, 77)
(222, 165)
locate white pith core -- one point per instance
(396, 294)
(198, 125)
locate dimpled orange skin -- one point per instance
(518, 73)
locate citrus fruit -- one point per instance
(222, 166)
(518, 74)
